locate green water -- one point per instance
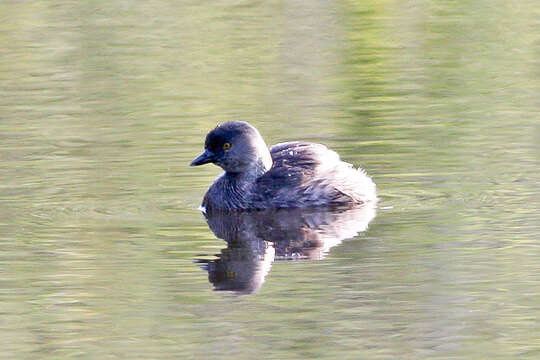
(103, 104)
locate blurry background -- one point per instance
(103, 104)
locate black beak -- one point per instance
(205, 158)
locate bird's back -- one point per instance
(308, 174)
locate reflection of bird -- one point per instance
(255, 239)
(294, 174)
(242, 266)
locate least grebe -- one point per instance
(288, 175)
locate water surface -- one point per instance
(104, 104)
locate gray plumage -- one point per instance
(288, 175)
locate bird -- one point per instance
(295, 174)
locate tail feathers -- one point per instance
(354, 184)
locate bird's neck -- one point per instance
(234, 190)
(246, 178)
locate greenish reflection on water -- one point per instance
(103, 105)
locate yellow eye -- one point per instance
(226, 146)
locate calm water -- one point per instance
(104, 254)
